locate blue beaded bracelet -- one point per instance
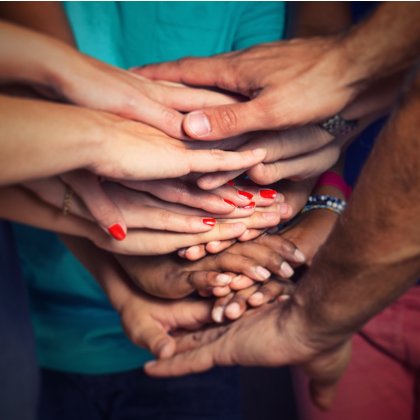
(327, 202)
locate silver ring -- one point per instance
(338, 126)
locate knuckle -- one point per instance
(165, 219)
(225, 119)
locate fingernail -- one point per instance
(286, 269)
(229, 202)
(182, 252)
(209, 221)
(299, 255)
(151, 363)
(283, 298)
(256, 298)
(217, 314)
(284, 209)
(233, 309)
(231, 183)
(198, 123)
(246, 194)
(223, 279)
(268, 193)
(117, 232)
(262, 272)
(214, 243)
(251, 205)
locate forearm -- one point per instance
(384, 44)
(38, 139)
(19, 205)
(31, 57)
(373, 253)
(46, 17)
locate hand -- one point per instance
(289, 83)
(59, 71)
(147, 321)
(115, 208)
(221, 200)
(292, 198)
(296, 154)
(171, 277)
(272, 336)
(133, 151)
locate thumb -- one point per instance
(323, 394)
(155, 339)
(224, 121)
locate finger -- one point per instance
(220, 291)
(296, 194)
(266, 293)
(215, 160)
(240, 282)
(151, 335)
(205, 279)
(262, 219)
(282, 246)
(186, 99)
(212, 181)
(323, 394)
(215, 247)
(148, 111)
(268, 257)
(224, 121)
(103, 209)
(154, 242)
(212, 71)
(194, 361)
(250, 234)
(237, 263)
(164, 220)
(302, 167)
(218, 310)
(238, 304)
(195, 252)
(180, 192)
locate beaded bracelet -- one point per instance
(327, 202)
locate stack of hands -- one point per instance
(176, 216)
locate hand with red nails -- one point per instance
(291, 197)
(134, 210)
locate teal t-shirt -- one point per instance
(76, 328)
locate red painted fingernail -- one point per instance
(229, 202)
(117, 232)
(231, 183)
(251, 205)
(246, 194)
(210, 221)
(268, 193)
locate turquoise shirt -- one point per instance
(76, 328)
